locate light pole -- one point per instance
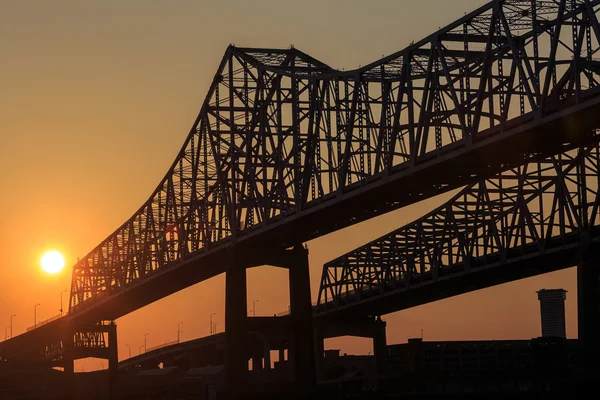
(61, 306)
(254, 308)
(179, 332)
(11, 325)
(215, 328)
(129, 349)
(6, 333)
(141, 349)
(145, 348)
(35, 315)
(211, 323)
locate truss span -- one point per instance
(286, 149)
(525, 221)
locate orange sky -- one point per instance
(95, 102)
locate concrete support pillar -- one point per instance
(588, 313)
(113, 361)
(69, 366)
(236, 329)
(380, 346)
(302, 347)
(281, 357)
(319, 354)
(267, 355)
(256, 362)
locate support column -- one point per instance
(236, 329)
(113, 361)
(319, 355)
(281, 357)
(302, 347)
(380, 346)
(588, 313)
(69, 366)
(267, 355)
(256, 363)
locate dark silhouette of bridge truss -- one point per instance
(286, 149)
(524, 221)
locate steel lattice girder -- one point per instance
(522, 222)
(286, 149)
(87, 343)
(47, 344)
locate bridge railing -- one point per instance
(44, 322)
(288, 311)
(160, 346)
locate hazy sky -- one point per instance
(96, 98)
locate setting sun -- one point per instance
(52, 262)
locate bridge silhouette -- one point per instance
(530, 220)
(286, 149)
(522, 222)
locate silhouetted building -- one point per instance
(343, 367)
(552, 309)
(481, 366)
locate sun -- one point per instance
(52, 262)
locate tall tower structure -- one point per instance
(552, 310)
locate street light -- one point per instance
(179, 332)
(145, 348)
(141, 349)
(61, 304)
(11, 325)
(215, 328)
(211, 323)
(254, 307)
(129, 349)
(35, 315)
(6, 333)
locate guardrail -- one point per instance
(160, 346)
(46, 321)
(288, 312)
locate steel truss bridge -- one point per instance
(286, 149)
(525, 221)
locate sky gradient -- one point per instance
(96, 100)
